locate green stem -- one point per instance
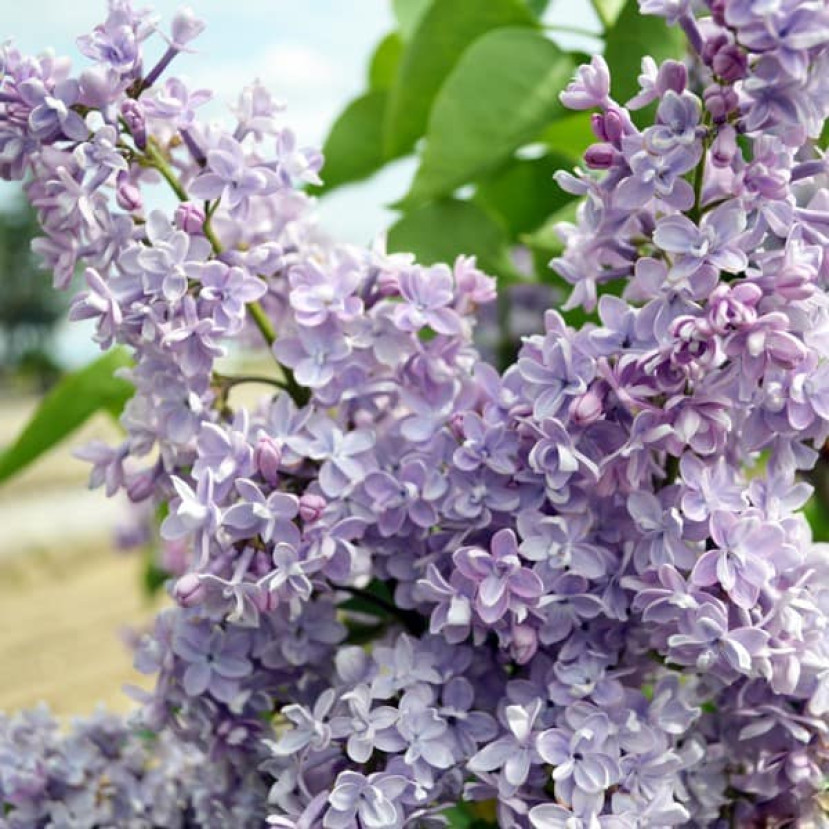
(258, 315)
(160, 163)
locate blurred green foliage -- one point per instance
(30, 307)
(471, 89)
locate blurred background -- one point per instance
(64, 595)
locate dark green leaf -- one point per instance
(440, 231)
(66, 407)
(633, 36)
(608, 11)
(500, 95)
(353, 149)
(444, 32)
(408, 14)
(523, 193)
(383, 67)
(538, 7)
(817, 514)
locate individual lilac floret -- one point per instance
(369, 802)
(231, 178)
(412, 493)
(591, 88)
(427, 295)
(503, 584)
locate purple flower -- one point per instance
(412, 493)
(317, 294)
(503, 584)
(342, 454)
(712, 245)
(216, 659)
(51, 113)
(704, 640)
(486, 445)
(231, 178)
(585, 760)
(427, 295)
(591, 87)
(514, 752)
(369, 802)
(367, 728)
(742, 562)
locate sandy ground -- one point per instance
(65, 596)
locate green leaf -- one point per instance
(444, 32)
(353, 149)
(408, 14)
(66, 407)
(523, 193)
(383, 67)
(538, 7)
(545, 239)
(569, 136)
(608, 11)
(501, 94)
(633, 36)
(440, 231)
(817, 514)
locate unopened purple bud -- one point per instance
(587, 408)
(189, 590)
(455, 425)
(597, 124)
(311, 507)
(141, 486)
(717, 9)
(127, 193)
(730, 63)
(720, 101)
(186, 27)
(673, 75)
(268, 457)
(388, 284)
(614, 127)
(600, 156)
(712, 46)
(724, 147)
(133, 116)
(189, 217)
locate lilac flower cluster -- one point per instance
(579, 591)
(108, 772)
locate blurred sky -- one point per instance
(312, 54)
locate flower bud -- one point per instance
(311, 507)
(189, 217)
(268, 456)
(133, 115)
(127, 193)
(141, 486)
(186, 27)
(387, 284)
(724, 147)
(600, 156)
(189, 590)
(614, 127)
(730, 63)
(588, 407)
(673, 75)
(720, 101)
